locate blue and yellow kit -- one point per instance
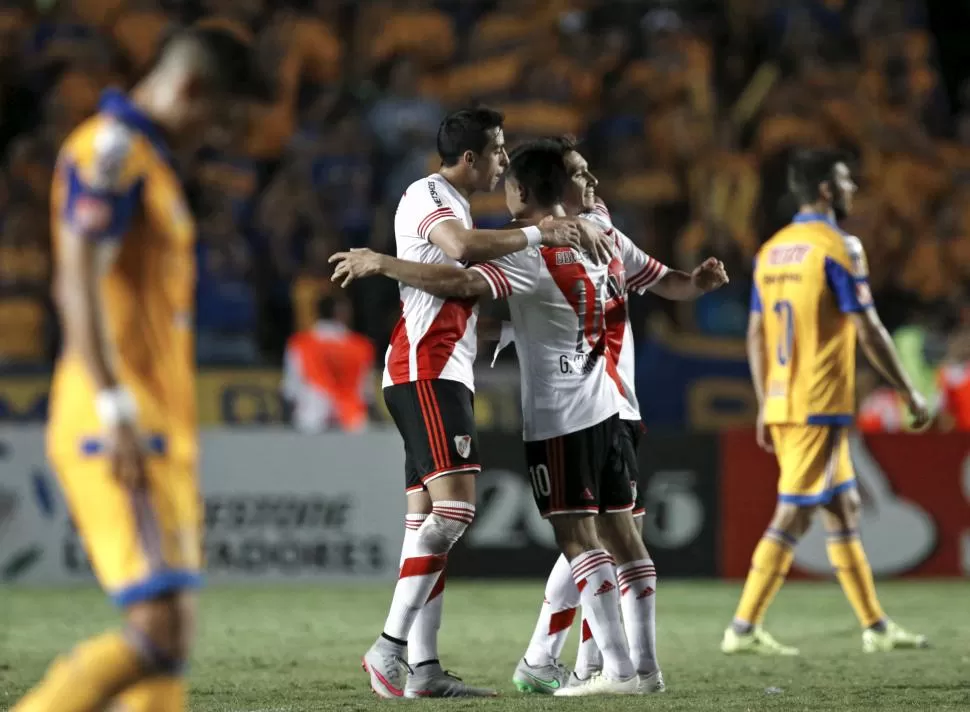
(114, 182)
(808, 278)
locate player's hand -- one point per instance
(763, 435)
(709, 275)
(579, 234)
(356, 264)
(127, 455)
(919, 411)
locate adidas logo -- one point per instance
(645, 593)
(587, 495)
(605, 587)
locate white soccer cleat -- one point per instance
(385, 665)
(600, 684)
(651, 683)
(895, 637)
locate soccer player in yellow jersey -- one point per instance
(122, 433)
(809, 302)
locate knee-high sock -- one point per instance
(852, 568)
(423, 566)
(769, 566)
(556, 615)
(154, 694)
(423, 640)
(88, 678)
(589, 659)
(595, 577)
(638, 601)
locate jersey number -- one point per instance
(591, 331)
(541, 486)
(786, 341)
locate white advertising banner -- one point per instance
(279, 506)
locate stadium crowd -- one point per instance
(687, 110)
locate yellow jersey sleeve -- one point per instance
(847, 274)
(102, 170)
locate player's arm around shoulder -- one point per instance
(444, 281)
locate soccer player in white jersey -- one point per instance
(560, 301)
(428, 386)
(539, 670)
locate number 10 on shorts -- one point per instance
(539, 474)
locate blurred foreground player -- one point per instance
(122, 431)
(428, 388)
(809, 301)
(540, 670)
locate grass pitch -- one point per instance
(298, 649)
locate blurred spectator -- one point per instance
(401, 119)
(328, 379)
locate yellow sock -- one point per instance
(851, 566)
(87, 679)
(769, 566)
(155, 694)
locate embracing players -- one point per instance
(809, 301)
(428, 389)
(122, 431)
(539, 671)
(561, 303)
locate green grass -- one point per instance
(299, 648)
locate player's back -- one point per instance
(807, 278)
(435, 337)
(569, 374)
(114, 181)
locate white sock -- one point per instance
(638, 600)
(555, 617)
(594, 574)
(424, 563)
(423, 639)
(589, 659)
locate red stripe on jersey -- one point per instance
(445, 331)
(616, 321)
(647, 274)
(439, 214)
(580, 292)
(399, 359)
(498, 277)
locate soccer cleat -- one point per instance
(575, 680)
(600, 684)
(893, 638)
(540, 679)
(387, 669)
(432, 681)
(757, 642)
(651, 683)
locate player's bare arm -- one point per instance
(755, 343)
(439, 280)
(878, 347)
(465, 245)
(684, 286)
(82, 261)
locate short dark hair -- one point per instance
(809, 168)
(566, 142)
(229, 61)
(466, 130)
(539, 167)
